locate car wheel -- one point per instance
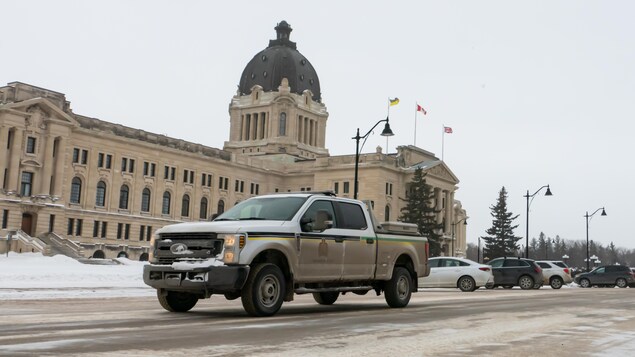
(398, 289)
(176, 301)
(466, 284)
(621, 282)
(526, 282)
(326, 298)
(585, 283)
(556, 282)
(264, 290)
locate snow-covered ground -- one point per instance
(34, 276)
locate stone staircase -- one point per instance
(56, 244)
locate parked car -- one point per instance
(452, 272)
(607, 275)
(555, 273)
(516, 271)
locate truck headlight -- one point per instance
(231, 247)
(152, 247)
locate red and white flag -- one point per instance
(420, 109)
(447, 130)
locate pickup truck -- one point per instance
(268, 248)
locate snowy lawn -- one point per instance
(34, 276)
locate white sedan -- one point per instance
(453, 272)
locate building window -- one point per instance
(71, 224)
(282, 131)
(100, 159)
(119, 230)
(221, 207)
(131, 166)
(78, 230)
(84, 157)
(145, 200)
(30, 145)
(123, 197)
(5, 218)
(124, 164)
(108, 161)
(388, 188)
(142, 232)
(26, 184)
(96, 229)
(387, 213)
(206, 180)
(223, 183)
(153, 169)
(100, 200)
(165, 207)
(148, 233)
(188, 176)
(336, 187)
(127, 233)
(185, 206)
(203, 213)
(76, 189)
(75, 156)
(346, 187)
(146, 168)
(104, 229)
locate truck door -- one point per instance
(360, 243)
(319, 252)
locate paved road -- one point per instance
(566, 322)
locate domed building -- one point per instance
(85, 187)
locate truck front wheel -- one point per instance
(399, 288)
(264, 289)
(175, 301)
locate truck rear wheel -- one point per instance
(399, 288)
(263, 292)
(175, 301)
(326, 298)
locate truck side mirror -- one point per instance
(322, 221)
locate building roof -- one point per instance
(280, 60)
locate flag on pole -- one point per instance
(420, 109)
(447, 130)
(393, 101)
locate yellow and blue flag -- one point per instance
(394, 101)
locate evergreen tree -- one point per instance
(501, 240)
(420, 210)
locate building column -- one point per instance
(4, 135)
(240, 127)
(15, 154)
(448, 212)
(438, 204)
(246, 127)
(59, 167)
(47, 163)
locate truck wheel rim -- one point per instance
(269, 290)
(402, 287)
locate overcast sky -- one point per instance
(537, 93)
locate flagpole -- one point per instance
(442, 140)
(387, 117)
(415, 141)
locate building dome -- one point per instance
(280, 60)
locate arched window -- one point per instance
(123, 197)
(387, 213)
(282, 131)
(185, 206)
(76, 189)
(221, 207)
(203, 213)
(100, 199)
(165, 207)
(145, 200)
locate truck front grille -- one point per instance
(171, 247)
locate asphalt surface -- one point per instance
(439, 322)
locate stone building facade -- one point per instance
(104, 188)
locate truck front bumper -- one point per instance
(213, 279)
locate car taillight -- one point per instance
(483, 269)
(566, 270)
(538, 270)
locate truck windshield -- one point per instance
(264, 208)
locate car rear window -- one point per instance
(561, 264)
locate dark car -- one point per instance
(514, 271)
(608, 275)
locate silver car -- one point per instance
(555, 273)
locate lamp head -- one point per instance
(465, 222)
(603, 212)
(387, 131)
(548, 193)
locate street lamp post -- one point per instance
(385, 132)
(548, 193)
(464, 220)
(587, 216)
